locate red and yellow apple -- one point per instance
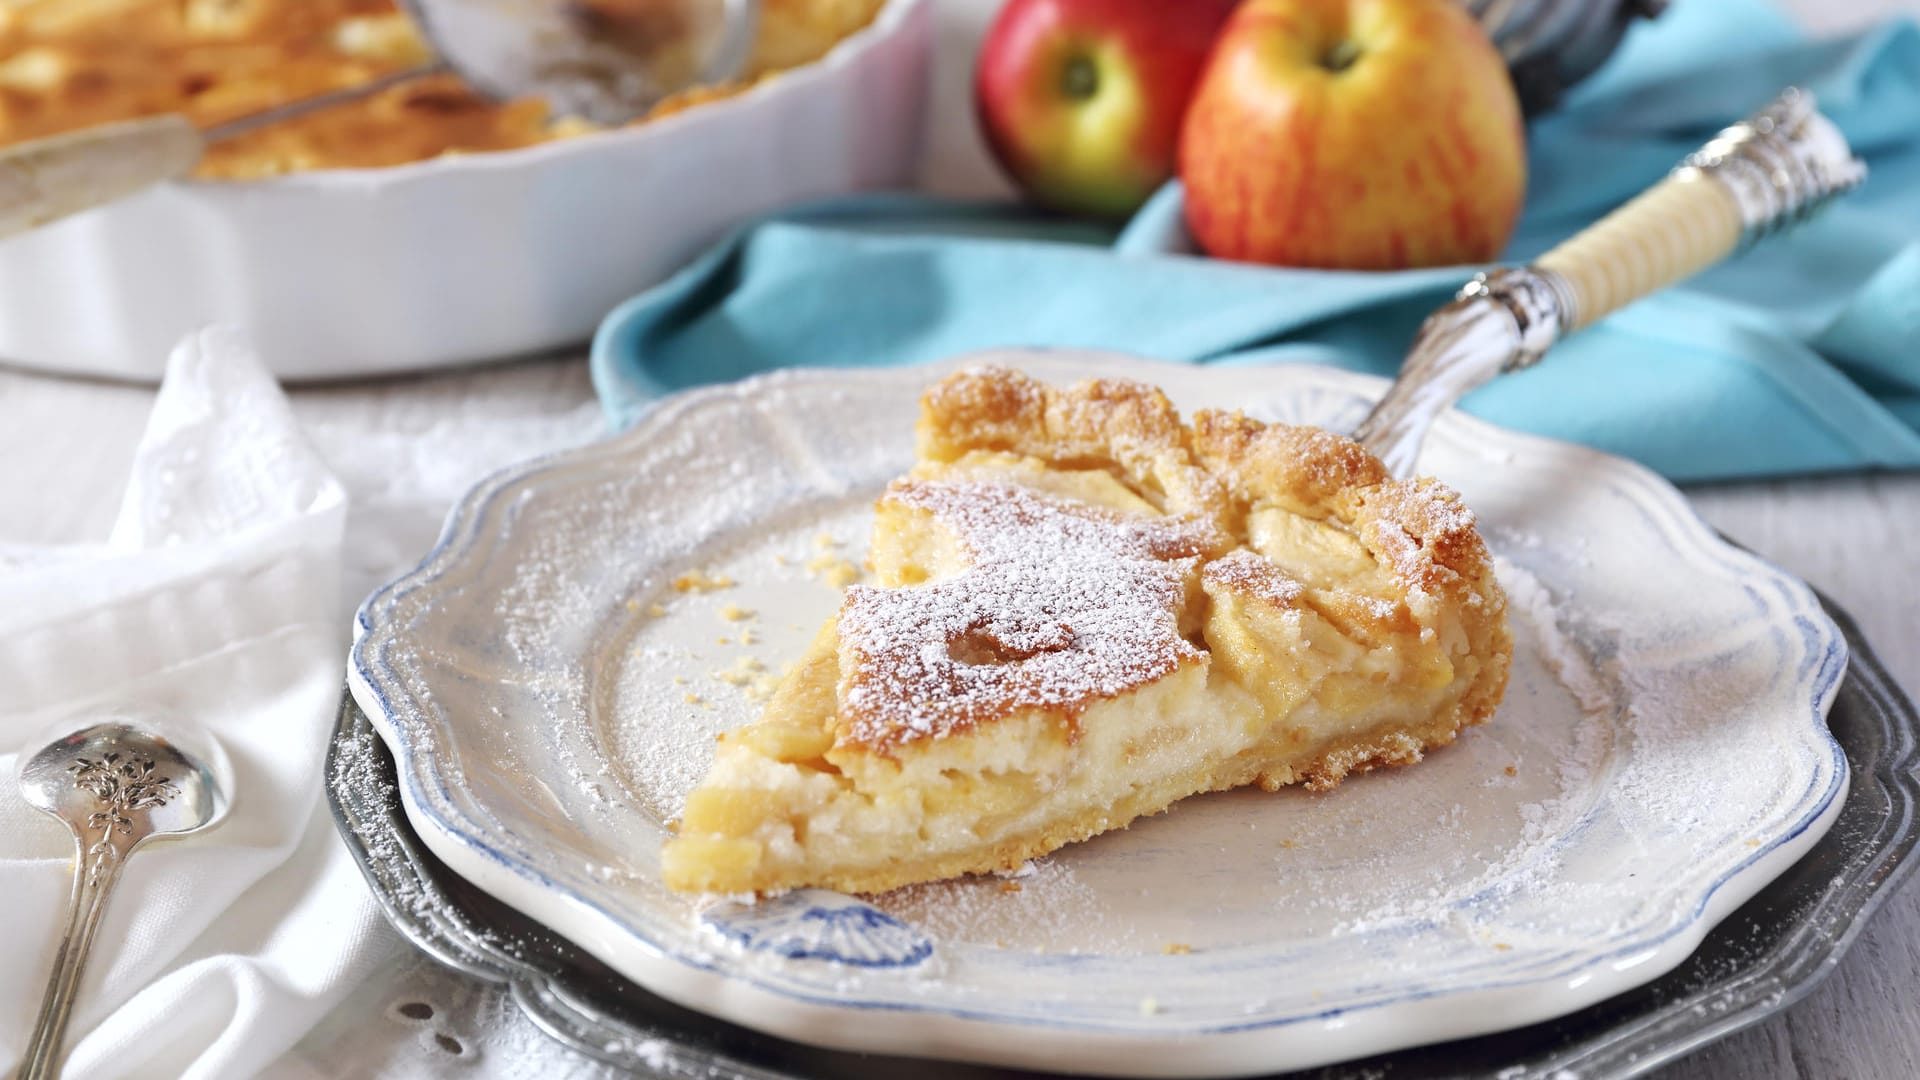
(1353, 134)
(1081, 100)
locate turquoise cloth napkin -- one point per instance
(1801, 356)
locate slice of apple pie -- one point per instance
(1087, 610)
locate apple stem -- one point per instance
(1080, 78)
(1341, 56)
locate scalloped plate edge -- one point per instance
(454, 836)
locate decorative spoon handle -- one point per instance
(115, 786)
(1762, 174)
(95, 871)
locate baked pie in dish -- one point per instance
(67, 64)
(1085, 611)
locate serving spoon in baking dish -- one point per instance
(603, 61)
(1761, 175)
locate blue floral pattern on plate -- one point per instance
(814, 924)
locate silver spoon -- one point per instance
(605, 61)
(115, 786)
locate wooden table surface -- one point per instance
(66, 444)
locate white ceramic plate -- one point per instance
(1660, 755)
(348, 272)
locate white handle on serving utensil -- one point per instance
(47, 179)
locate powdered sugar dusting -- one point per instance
(1431, 509)
(1529, 597)
(1052, 908)
(664, 742)
(1561, 785)
(1249, 573)
(1062, 605)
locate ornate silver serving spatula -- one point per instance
(1752, 179)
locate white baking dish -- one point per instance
(353, 272)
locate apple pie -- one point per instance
(68, 64)
(1086, 610)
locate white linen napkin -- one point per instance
(217, 597)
